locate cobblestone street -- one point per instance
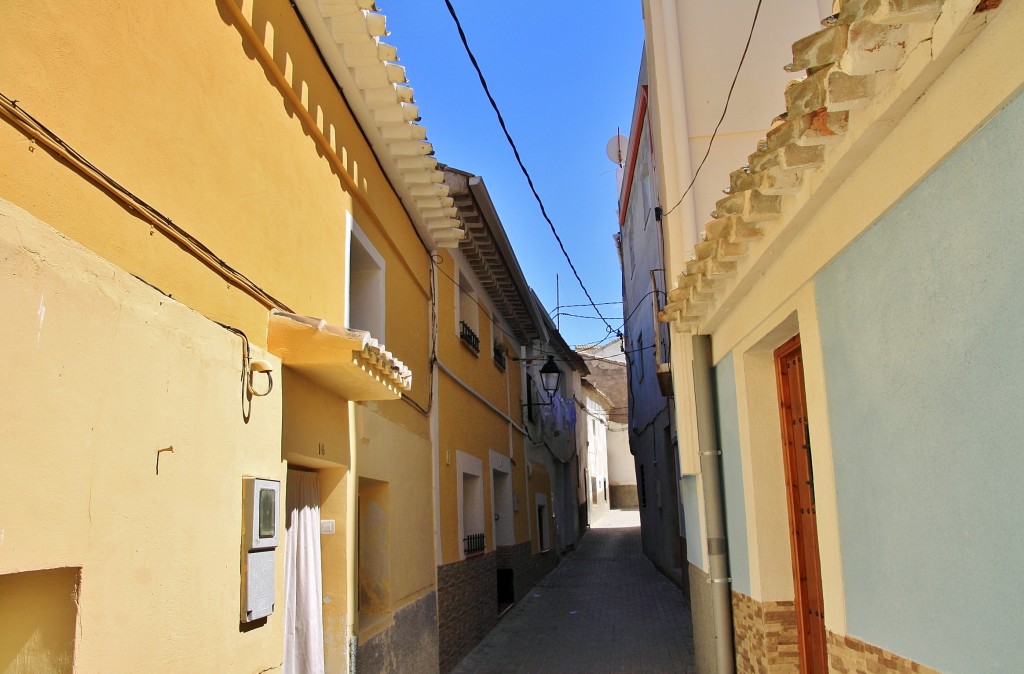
(604, 609)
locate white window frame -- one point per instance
(373, 307)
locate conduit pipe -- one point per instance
(714, 505)
(479, 397)
(158, 221)
(351, 524)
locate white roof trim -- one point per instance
(348, 34)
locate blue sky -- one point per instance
(564, 76)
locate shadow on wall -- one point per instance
(38, 612)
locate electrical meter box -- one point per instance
(261, 533)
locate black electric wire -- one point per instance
(571, 306)
(639, 303)
(515, 150)
(512, 337)
(187, 241)
(728, 98)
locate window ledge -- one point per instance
(348, 362)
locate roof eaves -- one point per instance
(490, 213)
(348, 33)
(870, 60)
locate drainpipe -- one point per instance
(714, 506)
(435, 424)
(351, 522)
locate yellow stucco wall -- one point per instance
(466, 424)
(170, 101)
(38, 610)
(174, 103)
(108, 371)
(540, 483)
(394, 455)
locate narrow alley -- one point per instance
(604, 609)
(687, 338)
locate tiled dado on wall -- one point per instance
(847, 655)
(765, 636)
(766, 643)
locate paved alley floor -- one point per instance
(604, 609)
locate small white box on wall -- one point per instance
(261, 534)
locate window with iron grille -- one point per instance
(467, 311)
(473, 544)
(469, 337)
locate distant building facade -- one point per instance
(506, 449)
(607, 365)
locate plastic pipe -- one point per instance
(714, 507)
(351, 524)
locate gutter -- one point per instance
(714, 505)
(351, 523)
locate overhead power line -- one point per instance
(728, 98)
(515, 150)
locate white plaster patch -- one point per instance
(41, 312)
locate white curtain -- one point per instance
(303, 593)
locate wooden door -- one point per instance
(803, 525)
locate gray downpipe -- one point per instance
(714, 508)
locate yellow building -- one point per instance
(213, 217)
(501, 469)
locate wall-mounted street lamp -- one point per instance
(550, 378)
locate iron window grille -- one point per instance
(499, 355)
(473, 544)
(469, 337)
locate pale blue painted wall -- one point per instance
(732, 474)
(922, 326)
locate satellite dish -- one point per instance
(616, 149)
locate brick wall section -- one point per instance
(467, 606)
(408, 645)
(527, 568)
(765, 636)
(847, 655)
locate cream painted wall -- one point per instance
(690, 69)
(392, 454)
(621, 470)
(108, 371)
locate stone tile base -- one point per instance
(765, 636)
(623, 496)
(527, 568)
(408, 645)
(847, 655)
(467, 606)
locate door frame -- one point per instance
(811, 637)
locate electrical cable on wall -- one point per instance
(35, 129)
(728, 98)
